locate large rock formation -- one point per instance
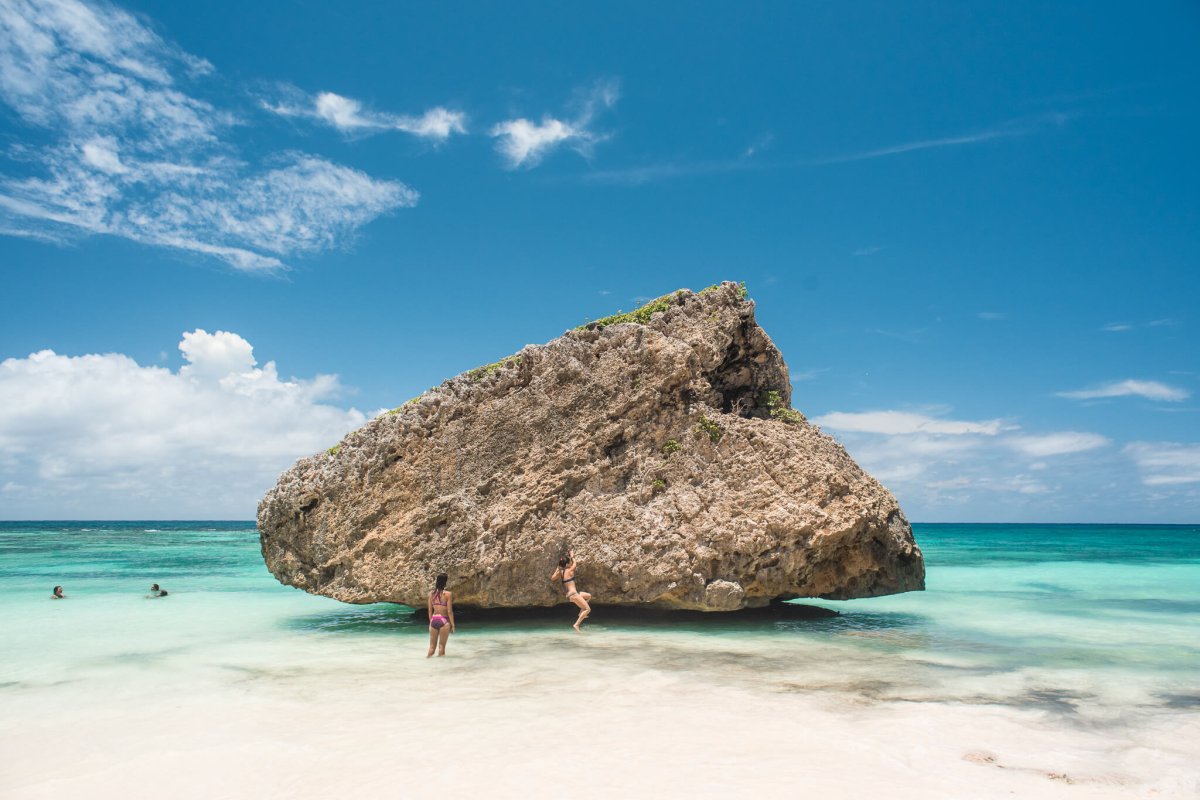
(660, 445)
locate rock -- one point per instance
(660, 446)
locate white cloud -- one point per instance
(1166, 463)
(1012, 128)
(525, 143)
(349, 116)
(634, 176)
(955, 469)
(758, 145)
(1055, 444)
(903, 422)
(1123, 327)
(101, 435)
(1151, 390)
(131, 153)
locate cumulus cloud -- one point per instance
(937, 465)
(129, 150)
(1150, 390)
(1166, 463)
(524, 143)
(101, 435)
(349, 116)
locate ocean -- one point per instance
(1042, 661)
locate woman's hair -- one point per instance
(154, 587)
(563, 562)
(440, 583)
(57, 589)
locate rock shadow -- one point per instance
(636, 616)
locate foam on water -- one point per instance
(1042, 661)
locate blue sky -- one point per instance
(971, 228)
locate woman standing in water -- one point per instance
(566, 573)
(441, 616)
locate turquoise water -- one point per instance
(1078, 640)
(999, 596)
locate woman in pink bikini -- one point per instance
(441, 616)
(566, 573)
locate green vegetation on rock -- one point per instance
(743, 292)
(479, 373)
(642, 315)
(671, 446)
(773, 402)
(707, 426)
(404, 405)
(639, 315)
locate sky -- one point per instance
(230, 233)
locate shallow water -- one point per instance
(1043, 660)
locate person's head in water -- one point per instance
(154, 587)
(439, 583)
(57, 593)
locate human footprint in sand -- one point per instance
(566, 573)
(441, 622)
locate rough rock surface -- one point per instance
(665, 454)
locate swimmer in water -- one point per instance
(441, 616)
(157, 592)
(566, 573)
(57, 594)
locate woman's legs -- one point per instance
(443, 635)
(433, 637)
(581, 599)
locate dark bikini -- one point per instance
(572, 590)
(437, 621)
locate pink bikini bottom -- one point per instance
(437, 621)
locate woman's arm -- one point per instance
(429, 605)
(450, 609)
(557, 572)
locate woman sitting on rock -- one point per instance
(441, 623)
(566, 573)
